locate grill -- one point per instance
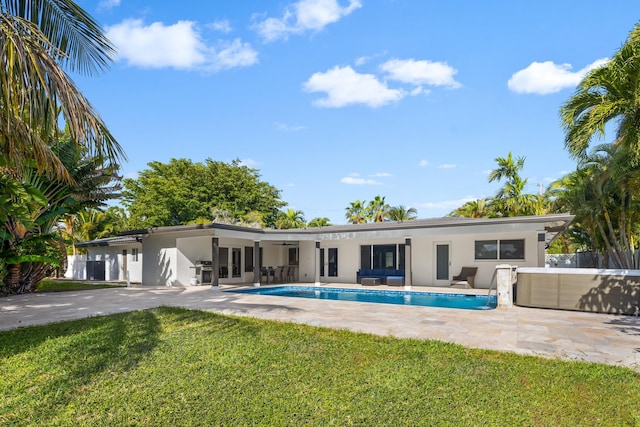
(204, 271)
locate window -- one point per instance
(365, 256)
(507, 249)
(293, 256)
(333, 262)
(248, 259)
(134, 254)
(512, 249)
(223, 271)
(322, 262)
(382, 256)
(486, 249)
(236, 260)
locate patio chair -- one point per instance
(466, 277)
(291, 272)
(268, 273)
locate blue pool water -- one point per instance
(430, 299)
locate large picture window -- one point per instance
(512, 249)
(486, 249)
(499, 249)
(382, 256)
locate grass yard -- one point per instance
(66, 285)
(175, 367)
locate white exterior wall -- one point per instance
(76, 267)
(134, 267)
(160, 254)
(423, 259)
(170, 256)
(113, 260)
(306, 268)
(177, 255)
(462, 254)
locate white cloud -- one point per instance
(361, 60)
(382, 174)
(352, 180)
(250, 163)
(108, 4)
(178, 46)
(307, 15)
(231, 55)
(344, 87)
(421, 72)
(288, 128)
(447, 166)
(544, 78)
(447, 204)
(221, 25)
(423, 163)
(420, 90)
(364, 59)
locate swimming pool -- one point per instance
(428, 299)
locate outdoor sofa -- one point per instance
(381, 274)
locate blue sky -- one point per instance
(338, 100)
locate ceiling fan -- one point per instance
(285, 244)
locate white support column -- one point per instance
(215, 264)
(407, 264)
(316, 264)
(505, 278)
(541, 248)
(256, 263)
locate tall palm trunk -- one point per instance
(13, 277)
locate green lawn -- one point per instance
(66, 285)
(181, 367)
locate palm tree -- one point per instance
(377, 209)
(37, 39)
(480, 208)
(400, 213)
(357, 212)
(290, 219)
(29, 236)
(510, 199)
(319, 222)
(610, 93)
(604, 200)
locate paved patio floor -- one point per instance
(568, 335)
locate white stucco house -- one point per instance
(424, 252)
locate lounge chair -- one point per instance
(466, 277)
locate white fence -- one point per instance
(577, 260)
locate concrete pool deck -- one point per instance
(568, 335)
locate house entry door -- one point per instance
(442, 263)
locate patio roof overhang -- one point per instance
(552, 225)
(111, 241)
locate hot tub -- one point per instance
(581, 289)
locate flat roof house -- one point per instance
(424, 252)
